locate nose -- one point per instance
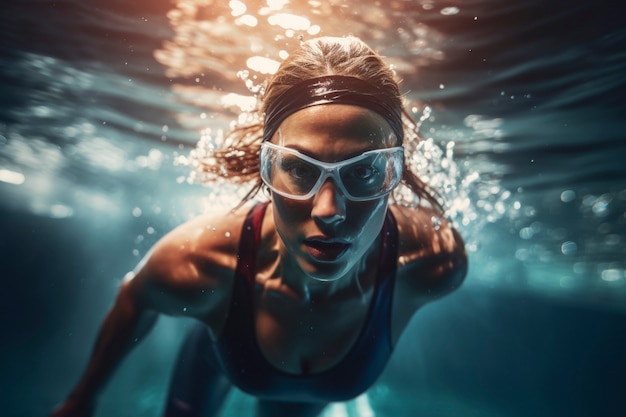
(329, 204)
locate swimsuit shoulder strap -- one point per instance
(388, 261)
(249, 242)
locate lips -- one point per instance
(325, 250)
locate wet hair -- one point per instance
(238, 159)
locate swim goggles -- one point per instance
(367, 176)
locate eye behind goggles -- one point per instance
(367, 176)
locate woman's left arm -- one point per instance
(431, 254)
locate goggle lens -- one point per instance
(364, 177)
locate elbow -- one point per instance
(458, 272)
(450, 277)
(451, 269)
(459, 264)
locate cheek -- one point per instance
(368, 217)
(288, 214)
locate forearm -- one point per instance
(124, 326)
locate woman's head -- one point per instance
(330, 169)
(332, 71)
(333, 56)
(355, 70)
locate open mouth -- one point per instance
(325, 250)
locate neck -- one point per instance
(287, 274)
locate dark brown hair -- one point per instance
(238, 159)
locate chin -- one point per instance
(326, 271)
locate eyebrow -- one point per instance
(310, 154)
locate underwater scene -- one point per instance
(106, 106)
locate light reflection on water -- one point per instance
(275, 25)
(470, 181)
(92, 133)
(522, 113)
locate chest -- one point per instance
(307, 339)
(279, 357)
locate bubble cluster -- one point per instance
(469, 199)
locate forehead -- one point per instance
(335, 127)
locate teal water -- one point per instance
(102, 102)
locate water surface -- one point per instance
(103, 101)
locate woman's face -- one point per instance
(328, 234)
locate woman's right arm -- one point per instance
(125, 325)
(186, 274)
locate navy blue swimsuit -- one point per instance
(239, 357)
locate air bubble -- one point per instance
(569, 248)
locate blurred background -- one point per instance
(523, 119)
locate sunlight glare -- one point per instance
(277, 4)
(12, 177)
(244, 103)
(449, 11)
(314, 30)
(247, 20)
(238, 8)
(262, 65)
(289, 21)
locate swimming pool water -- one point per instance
(102, 102)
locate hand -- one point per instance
(73, 408)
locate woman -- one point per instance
(299, 300)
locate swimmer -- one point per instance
(299, 300)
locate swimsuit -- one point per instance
(238, 356)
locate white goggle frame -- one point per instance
(393, 168)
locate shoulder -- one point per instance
(189, 271)
(431, 256)
(210, 238)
